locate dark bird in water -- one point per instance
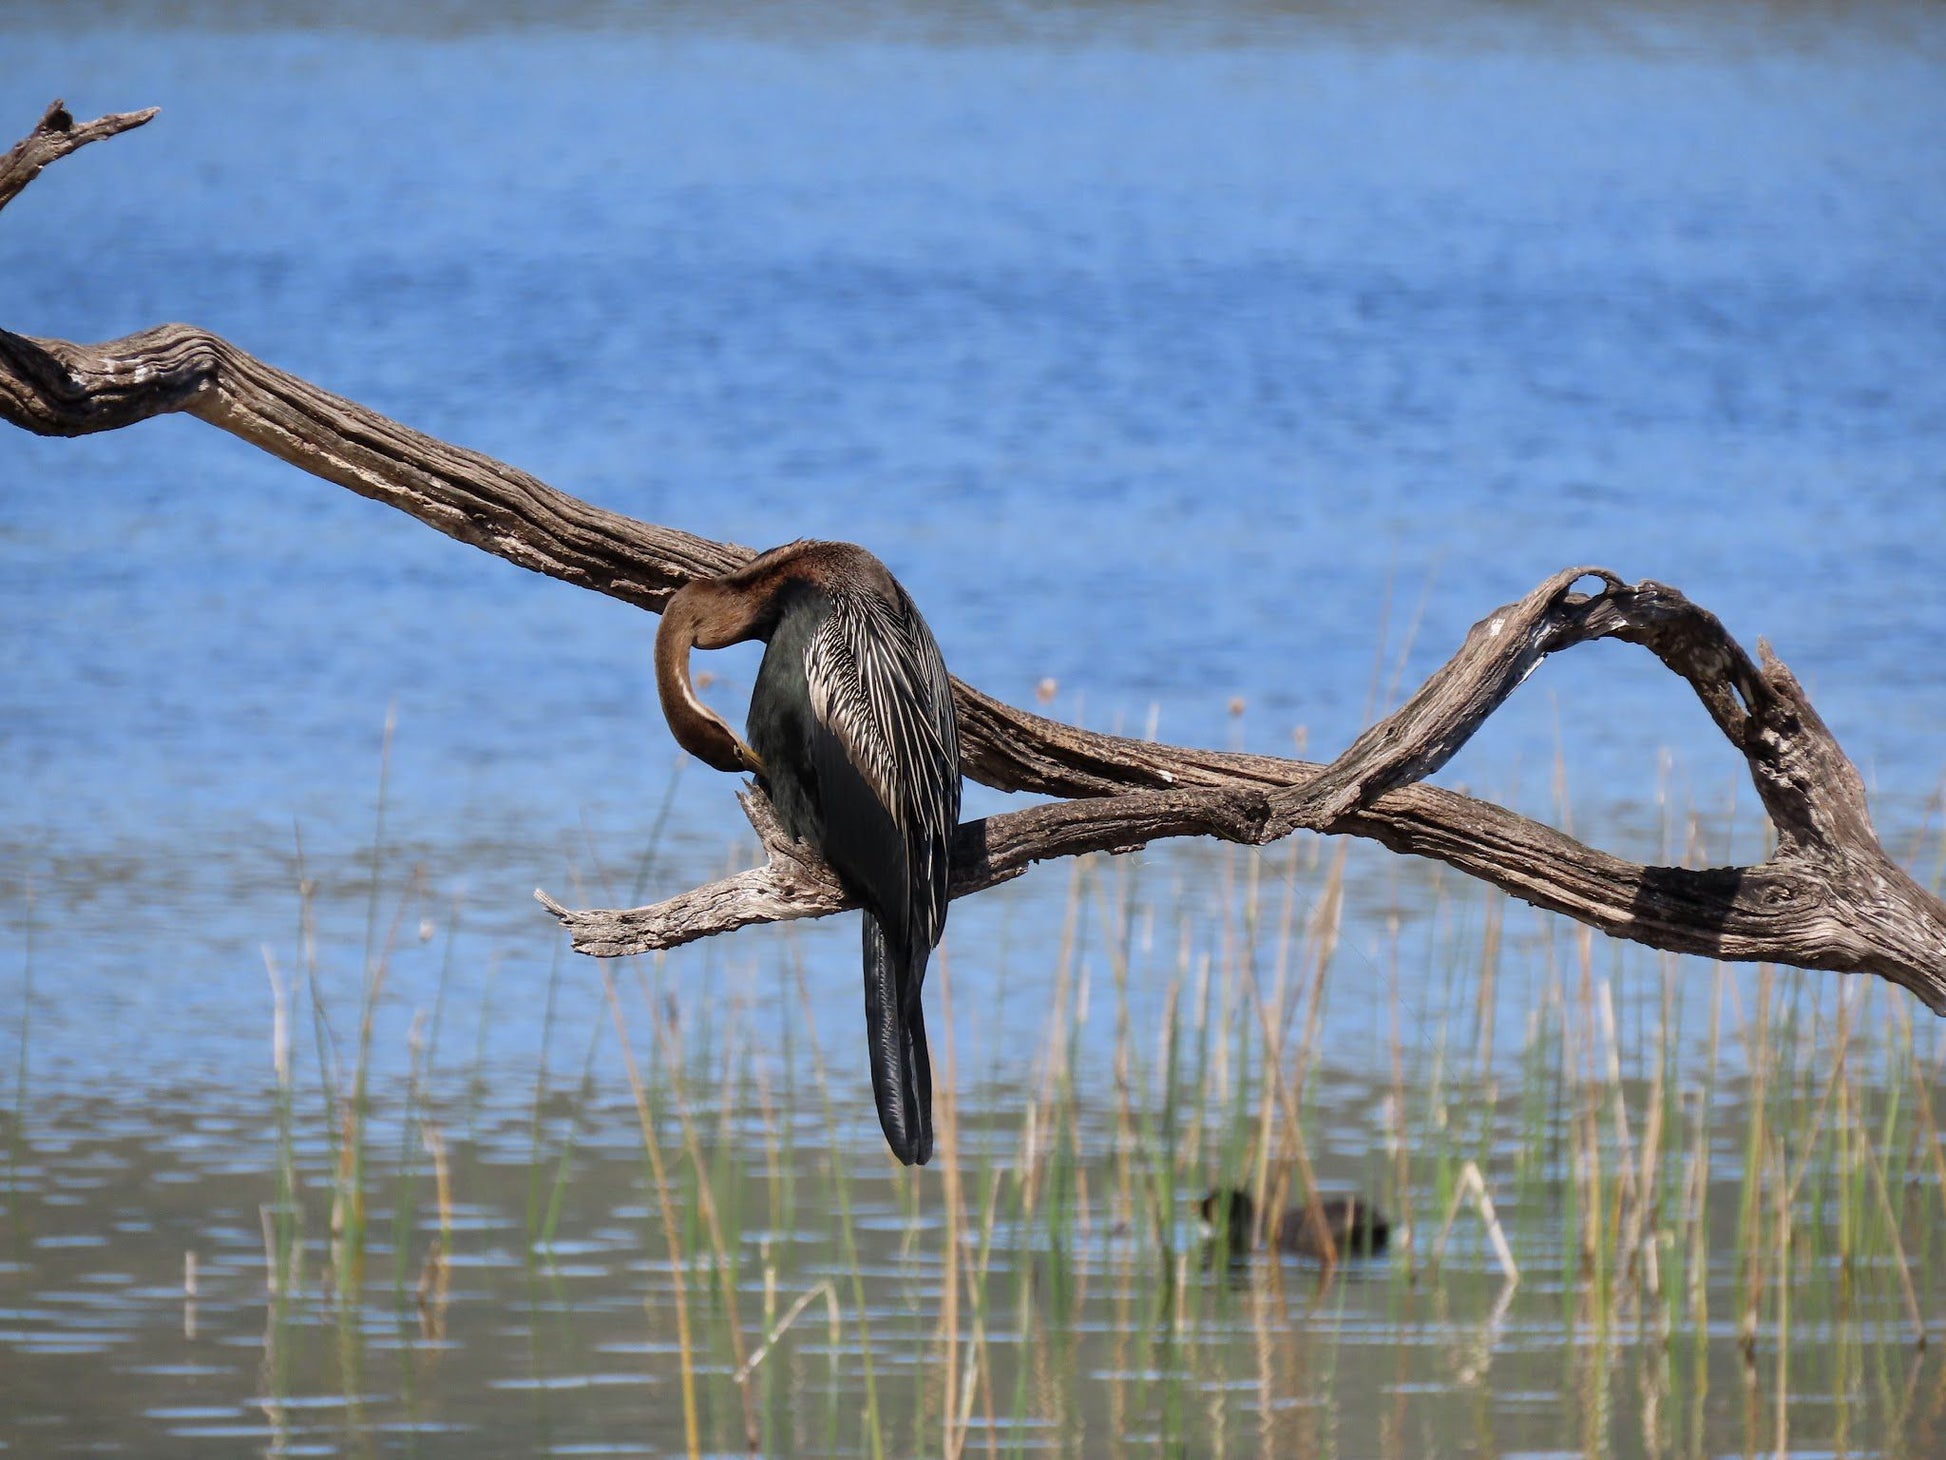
(1357, 1228)
(851, 736)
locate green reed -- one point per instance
(1763, 1148)
(17, 1122)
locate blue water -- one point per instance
(1175, 364)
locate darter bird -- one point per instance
(852, 737)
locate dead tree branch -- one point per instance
(1829, 897)
(54, 136)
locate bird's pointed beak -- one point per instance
(752, 762)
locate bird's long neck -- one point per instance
(710, 615)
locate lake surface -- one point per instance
(1188, 358)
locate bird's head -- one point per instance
(699, 614)
(1231, 1211)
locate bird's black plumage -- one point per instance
(852, 719)
(1356, 1227)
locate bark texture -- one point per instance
(54, 136)
(1829, 897)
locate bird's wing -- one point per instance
(877, 682)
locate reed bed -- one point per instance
(1642, 1205)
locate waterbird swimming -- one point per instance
(852, 737)
(1357, 1227)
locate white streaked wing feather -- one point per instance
(878, 683)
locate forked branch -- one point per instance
(54, 136)
(1829, 897)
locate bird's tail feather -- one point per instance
(895, 1033)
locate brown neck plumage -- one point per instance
(708, 614)
(713, 613)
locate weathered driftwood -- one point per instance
(54, 136)
(1827, 898)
